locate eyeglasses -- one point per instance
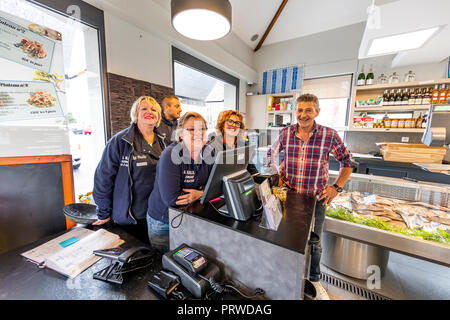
(234, 123)
(192, 130)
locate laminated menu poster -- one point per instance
(20, 100)
(32, 72)
(33, 109)
(72, 253)
(21, 45)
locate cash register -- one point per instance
(229, 177)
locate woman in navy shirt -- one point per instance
(181, 175)
(125, 175)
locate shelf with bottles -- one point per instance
(399, 100)
(280, 102)
(280, 110)
(404, 84)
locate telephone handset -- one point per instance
(123, 262)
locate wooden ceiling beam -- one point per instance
(272, 23)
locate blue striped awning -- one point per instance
(282, 80)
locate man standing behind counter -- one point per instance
(171, 110)
(304, 167)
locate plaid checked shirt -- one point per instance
(304, 167)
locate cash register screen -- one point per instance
(226, 162)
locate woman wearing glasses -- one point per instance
(230, 133)
(181, 175)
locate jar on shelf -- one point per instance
(394, 123)
(382, 79)
(387, 123)
(401, 123)
(409, 123)
(410, 76)
(394, 78)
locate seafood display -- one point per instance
(396, 213)
(41, 99)
(33, 49)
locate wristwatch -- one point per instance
(338, 189)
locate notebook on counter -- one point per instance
(72, 253)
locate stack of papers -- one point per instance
(72, 253)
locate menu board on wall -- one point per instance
(282, 80)
(32, 89)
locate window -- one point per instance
(203, 88)
(84, 89)
(334, 95)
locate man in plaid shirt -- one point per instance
(304, 167)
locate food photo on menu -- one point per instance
(41, 99)
(33, 49)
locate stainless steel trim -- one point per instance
(437, 187)
(351, 257)
(414, 247)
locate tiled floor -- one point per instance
(406, 278)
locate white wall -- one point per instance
(135, 53)
(148, 58)
(327, 53)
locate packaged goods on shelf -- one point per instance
(363, 122)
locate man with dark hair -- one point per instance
(304, 167)
(171, 108)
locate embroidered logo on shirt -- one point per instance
(141, 164)
(189, 176)
(124, 162)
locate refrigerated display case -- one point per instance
(350, 248)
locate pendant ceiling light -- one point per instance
(201, 19)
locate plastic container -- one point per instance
(81, 213)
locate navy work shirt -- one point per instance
(172, 178)
(144, 159)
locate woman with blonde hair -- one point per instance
(125, 176)
(230, 134)
(181, 176)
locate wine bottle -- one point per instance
(385, 97)
(361, 78)
(418, 96)
(412, 97)
(370, 79)
(398, 98)
(405, 97)
(392, 98)
(426, 96)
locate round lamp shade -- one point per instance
(201, 19)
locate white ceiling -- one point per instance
(306, 17)
(299, 17)
(405, 16)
